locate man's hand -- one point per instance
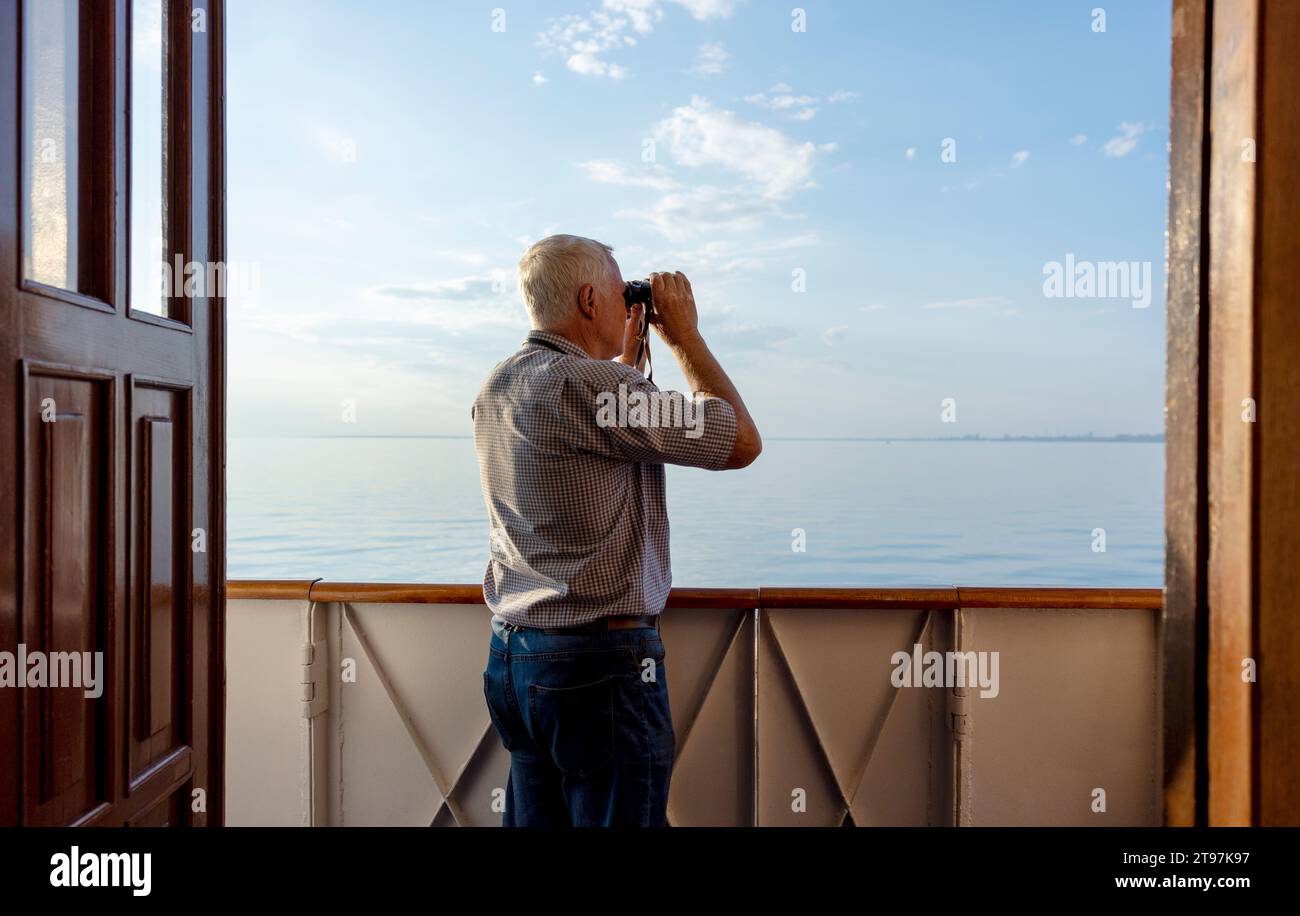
(674, 315)
(631, 330)
(676, 321)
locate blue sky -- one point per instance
(390, 161)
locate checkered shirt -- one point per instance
(573, 479)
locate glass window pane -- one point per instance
(148, 156)
(51, 107)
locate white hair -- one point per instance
(552, 271)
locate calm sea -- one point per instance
(873, 513)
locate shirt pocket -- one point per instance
(575, 724)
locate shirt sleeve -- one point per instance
(621, 415)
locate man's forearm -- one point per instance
(705, 375)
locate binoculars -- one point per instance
(638, 291)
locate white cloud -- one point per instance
(710, 59)
(781, 98)
(832, 336)
(873, 307)
(410, 311)
(705, 10)
(1079, 139)
(588, 64)
(714, 257)
(336, 144)
(910, 152)
(704, 210)
(643, 14)
(723, 256)
(538, 78)
(1019, 158)
(585, 41)
(607, 172)
(1127, 140)
(771, 168)
(700, 135)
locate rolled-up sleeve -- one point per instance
(617, 413)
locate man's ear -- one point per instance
(587, 300)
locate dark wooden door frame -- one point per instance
(129, 785)
(1232, 478)
(215, 67)
(1183, 620)
(210, 60)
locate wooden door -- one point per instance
(1230, 649)
(112, 410)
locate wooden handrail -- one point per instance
(1136, 599)
(395, 593)
(270, 589)
(875, 598)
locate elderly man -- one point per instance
(573, 478)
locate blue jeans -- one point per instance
(585, 718)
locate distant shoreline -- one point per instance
(1141, 438)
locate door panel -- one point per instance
(160, 608)
(112, 451)
(66, 457)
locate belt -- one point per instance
(615, 622)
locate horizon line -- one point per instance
(969, 437)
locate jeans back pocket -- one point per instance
(576, 724)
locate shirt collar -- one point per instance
(563, 343)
